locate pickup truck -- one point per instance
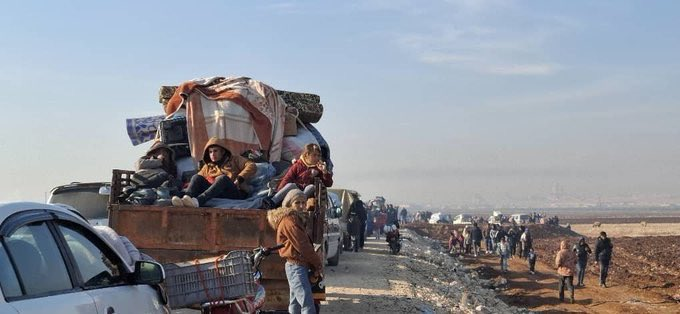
(172, 234)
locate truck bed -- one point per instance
(174, 234)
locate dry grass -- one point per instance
(629, 230)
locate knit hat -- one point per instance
(292, 196)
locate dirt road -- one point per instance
(373, 281)
(539, 292)
(418, 280)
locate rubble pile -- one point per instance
(462, 289)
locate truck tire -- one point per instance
(335, 260)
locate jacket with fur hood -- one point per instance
(289, 224)
(565, 261)
(234, 167)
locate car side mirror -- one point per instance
(105, 190)
(147, 272)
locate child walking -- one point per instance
(532, 260)
(504, 253)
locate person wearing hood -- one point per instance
(289, 221)
(603, 254)
(159, 156)
(301, 176)
(223, 175)
(582, 249)
(565, 261)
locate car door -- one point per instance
(102, 274)
(35, 277)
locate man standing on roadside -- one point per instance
(565, 261)
(603, 255)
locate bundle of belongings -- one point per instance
(262, 130)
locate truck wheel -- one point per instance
(335, 260)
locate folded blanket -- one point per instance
(141, 130)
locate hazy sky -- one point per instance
(442, 102)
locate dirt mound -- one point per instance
(551, 231)
(441, 231)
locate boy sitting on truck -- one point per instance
(223, 175)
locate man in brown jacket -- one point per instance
(298, 251)
(565, 261)
(223, 175)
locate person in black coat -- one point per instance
(603, 254)
(476, 235)
(582, 250)
(360, 211)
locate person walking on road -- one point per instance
(527, 242)
(513, 237)
(493, 234)
(503, 249)
(532, 261)
(467, 238)
(359, 210)
(487, 239)
(476, 235)
(565, 261)
(603, 254)
(298, 251)
(582, 249)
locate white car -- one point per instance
(53, 261)
(463, 219)
(520, 218)
(439, 218)
(333, 231)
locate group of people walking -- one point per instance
(570, 262)
(516, 241)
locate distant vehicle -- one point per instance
(439, 218)
(463, 219)
(520, 218)
(53, 261)
(333, 230)
(91, 199)
(497, 218)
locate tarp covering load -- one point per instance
(270, 127)
(245, 113)
(308, 106)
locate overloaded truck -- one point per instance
(172, 234)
